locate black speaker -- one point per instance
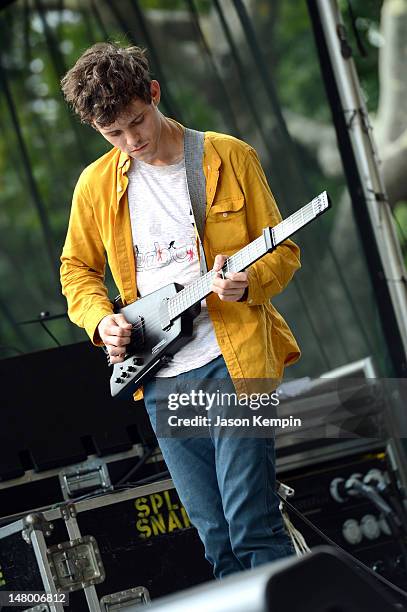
(324, 580)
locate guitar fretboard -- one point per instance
(267, 242)
(297, 220)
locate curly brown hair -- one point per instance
(104, 80)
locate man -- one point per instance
(133, 205)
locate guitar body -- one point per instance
(151, 346)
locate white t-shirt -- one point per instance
(165, 249)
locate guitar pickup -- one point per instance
(137, 331)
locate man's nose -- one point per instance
(132, 137)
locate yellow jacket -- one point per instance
(254, 339)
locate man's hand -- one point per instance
(232, 288)
(115, 332)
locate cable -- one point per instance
(31, 180)
(357, 562)
(136, 467)
(292, 151)
(355, 487)
(45, 328)
(166, 96)
(356, 34)
(8, 316)
(149, 479)
(289, 150)
(91, 495)
(351, 301)
(45, 316)
(58, 64)
(243, 80)
(170, 102)
(99, 20)
(280, 171)
(84, 12)
(228, 112)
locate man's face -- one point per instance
(137, 130)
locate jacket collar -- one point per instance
(211, 156)
(123, 158)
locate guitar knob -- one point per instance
(138, 360)
(124, 374)
(131, 369)
(118, 380)
(378, 567)
(166, 359)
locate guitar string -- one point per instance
(181, 299)
(194, 292)
(202, 285)
(199, 288)
(279, 235)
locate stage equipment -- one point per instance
(356, 524)
(95, 475)
(347, 432)
(322, 581)
(344, 411)
(107, 552)
(56, 410)
(89, 428)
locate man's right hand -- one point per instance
(115, 332)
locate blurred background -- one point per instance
(250, 68)
(210, 64)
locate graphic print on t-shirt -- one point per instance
(161, 255)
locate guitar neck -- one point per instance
(201, 288)
(267, 242)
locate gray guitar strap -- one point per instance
(194, 151)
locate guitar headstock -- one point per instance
(321, 203)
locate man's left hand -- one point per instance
(232, 287)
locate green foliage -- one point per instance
(297, 71)
(367, 23)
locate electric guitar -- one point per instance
(162, 322)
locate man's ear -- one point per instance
(155, 91)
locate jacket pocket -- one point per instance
(226, 225)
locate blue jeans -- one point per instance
(227, 486)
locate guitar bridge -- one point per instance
(137, 331)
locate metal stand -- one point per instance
(367, 163)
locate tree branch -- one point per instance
(392, 110)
